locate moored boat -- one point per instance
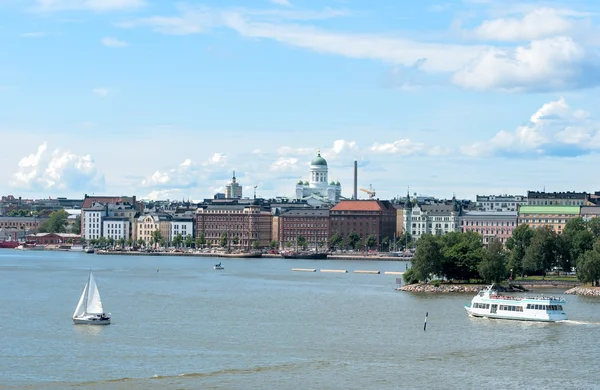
(9, 244)
(218, 266)
(489, 303)
(305, 255)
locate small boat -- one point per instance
(488, 303)
(89, 310)
(9, 244)
(305, 255)
(218, 266)
(89, 249)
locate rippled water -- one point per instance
(177, 323)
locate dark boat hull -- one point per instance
(308, 256)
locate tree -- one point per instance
(371, 241)
(76, 228)
(189, 240)
(273, 244)
(576, 239)
(156, 237)
(428, 257)
(540, 256)
(56, 223)
(223, 241)
(518, 244)
(385, 244)
(255, 245)
(141, 242)
(200, 240)
(353, 239)
(493, 265)
(129, 242)
(588, 267)
(177, 240)
(462, 254)
(335, 241)
(301, 240)
(236, 240)
(404, 241)
(111, 241)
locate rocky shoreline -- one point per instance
(475, 288)
(585, 291)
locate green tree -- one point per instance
(588, 267)
(141, 242)
(189, 240)
(594, 226)
(353, 240)
(492, 268)
(156, 237)
(110, 242)
(273, 244)
(223, 241)
(129, 242)
(56, 223)
(576, 239)
(302, 243)
(462, 254)
(236, 240)
(427, 261)
(335, 241)
(76, 228)
(371, 241)
(200, 240)
(177, 240)
(385, 244)
(540, 256)
(518, 244)
(255, 245)
(404, 241)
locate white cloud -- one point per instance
(91, 5)
(103, 92)
(113, 42)
(284, 164)
(544, 65)
(61, 171)
(37, 34)
(403, 146)
(539, 23)
(219, 159)
(285, 3)
(554, 129)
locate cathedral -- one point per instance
(318, 187)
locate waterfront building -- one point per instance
(233, 190)
(22, 223)
(318, 186)
(436, 218)
(12, 234)
(497, 225)
(147, 224)
(241, 225)
(54, 238)
(500, 202)
(131, 207)
(310, 223)
(569, 198)
(116, 228)
(365, 217)
(91, 221)
(554, 216)
(181, 225)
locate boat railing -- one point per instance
(541, 298)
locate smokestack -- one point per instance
(355, 194)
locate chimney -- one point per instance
(355, 194)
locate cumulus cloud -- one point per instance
(539, 23)
(284, 163)
(90, 5)
(113, 42)
(403, 147)
(554, 129)
(61, 170)
(544, 65)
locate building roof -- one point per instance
(319, 160)
(359, 205)
(549, 209)
(438, 208)
(590, 210)
(489, 214)
(306, 212)
(63, 235)
(557, 195)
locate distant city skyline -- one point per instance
(165, 100)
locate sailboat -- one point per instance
(89, 309)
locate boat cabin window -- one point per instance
(511, 308)
(481, 305)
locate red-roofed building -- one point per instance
(365, 217)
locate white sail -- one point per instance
(94, 304)
(80, 309)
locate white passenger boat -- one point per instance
(488, 303)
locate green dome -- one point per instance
(299, 182)
(318, 160)
(337, 183)
(306, 183)
(332, 183)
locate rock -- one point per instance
(586, 291)
(443, 288)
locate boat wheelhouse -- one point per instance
(488, 303)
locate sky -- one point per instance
(164, 100)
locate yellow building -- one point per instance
(148, 223)
(554, 216)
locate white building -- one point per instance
(438, 219)
(233, 190)
(500, 202)
(92, 221)
(183, 226)
(116, 228)
(319, 186)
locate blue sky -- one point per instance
(165, 99)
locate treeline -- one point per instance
(462, 257)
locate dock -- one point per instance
(341, 271)
(304, 269)
(362, 271)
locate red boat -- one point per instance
(9, 244)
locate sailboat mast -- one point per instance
(87, 291)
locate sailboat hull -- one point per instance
(90, 321)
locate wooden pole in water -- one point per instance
(425, 324)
